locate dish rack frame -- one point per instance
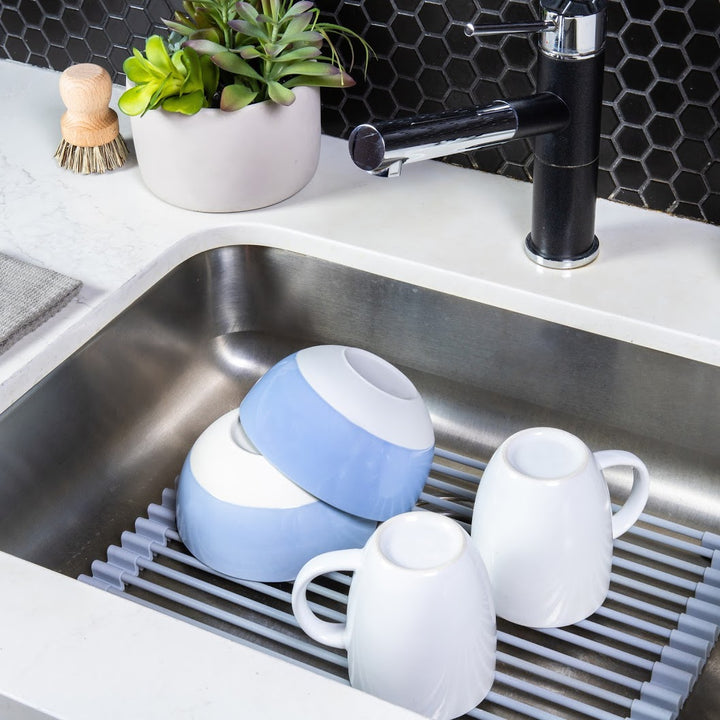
(637, 658)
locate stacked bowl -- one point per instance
(329, 442)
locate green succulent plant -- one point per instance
(228, 54)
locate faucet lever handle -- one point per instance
(509, 28)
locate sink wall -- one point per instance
(96, 441)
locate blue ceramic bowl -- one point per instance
(240, 516)
(346, 426)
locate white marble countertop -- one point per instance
(65, 647)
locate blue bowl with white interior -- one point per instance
(346, 426)
(240, 516)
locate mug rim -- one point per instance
(578, 469)
(463, 540)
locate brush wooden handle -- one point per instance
(86, 90)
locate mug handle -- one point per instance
(328, 633)
(626, 516)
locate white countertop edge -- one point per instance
(87, 654)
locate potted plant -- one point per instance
(225, 112)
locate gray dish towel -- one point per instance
(29, 295)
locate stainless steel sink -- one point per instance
(85, 452)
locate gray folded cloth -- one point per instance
(29, 295)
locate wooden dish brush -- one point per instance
(91, 141)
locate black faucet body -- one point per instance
(563, 117)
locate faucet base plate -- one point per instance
(562, 264)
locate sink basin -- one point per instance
(91, 446)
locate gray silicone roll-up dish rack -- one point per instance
(637, 658)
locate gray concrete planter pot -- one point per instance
(217, 161)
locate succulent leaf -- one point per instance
(280, 94)
(246, 11)
(187, 104)
(139, 70)
(236, 97)
(298, 8)
(309, 68)
(135, 100)
(250, 29)
(301, 53)
(250, 52)
(179, 28)
(236, 65)
(206, 47)
(307, 36)
(157, 54)
(298, 23)
(338, 80)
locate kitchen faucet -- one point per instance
(563, 117)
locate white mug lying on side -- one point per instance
(420, 628)
(544, 525)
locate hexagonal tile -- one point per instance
(488, 63)
(642, 9)
(31, 12)
(433, 51)
(380, 10)
(17, 49)
(664, 131)
(689, 187)
(703, 51)
(705, 16)
(406, 28)
(55, 32)
(666, 97)
(381, 73)
(669, 62)
(661, 164)
(636, 73)
(697, 121)
(461, 11)
(516, 52)
(672, 26)
(638, 39)
(74, 22)
(515, 83)
(117, 8)
(433, 83)
(94, 14)
(634, 107)
(693, 154)
(36, 41)
(433, 17)
(406, 61)
(658, 195)
(631, 142)
(407, 94)
(353, 16)
(52, 8)
(138, 22)
(460, 72)
(701, 86)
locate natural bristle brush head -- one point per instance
(91, 141)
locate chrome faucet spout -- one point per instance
(383, 148)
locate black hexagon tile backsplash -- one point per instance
(660, 144)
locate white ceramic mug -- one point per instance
(544, 525)
(420, 628)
